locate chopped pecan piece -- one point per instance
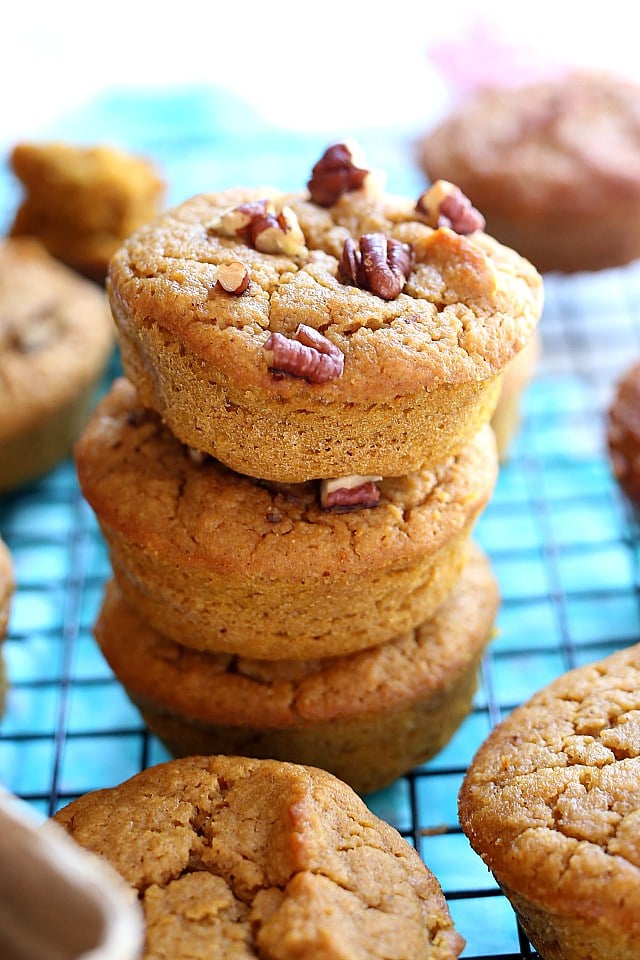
(335, 173)
(382, 265)
(233, 277)
(445, 205)
(309, 356)
(349, 493)
(260, 224)
(197, 456)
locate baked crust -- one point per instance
(421, 371)
(551, 802)
(56, 336)
(219, 561)
(255, 858)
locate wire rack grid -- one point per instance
(563, 542)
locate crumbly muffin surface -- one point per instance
(82, 202)
(468, 306)
(252, 858)
(552, 802)
(55, 335)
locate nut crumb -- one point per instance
(197, 456)
(445, 205)
(233, 277)
(260, 224)
(273, 515)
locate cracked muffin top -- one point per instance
(256, 858)
(405, 293)
(551, 801)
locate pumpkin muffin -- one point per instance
(219, 561)
(232, 857)
(553, 165)
(551, 803)
(334, 332)
(56, 337)
(367, 717)
(81, 202)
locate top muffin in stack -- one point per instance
(335, 333)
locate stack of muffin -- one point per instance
(288, 477)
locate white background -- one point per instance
(306, 65)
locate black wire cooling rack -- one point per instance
(562, 540)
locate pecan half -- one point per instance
(260, 224)
(382, 265)
(349, 493)
(233, 277)
(445, 205)
(309, 356)
(336, 172)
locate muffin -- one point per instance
(82, 202)
(221, 562)
(506, 417)
(623, 432)
(323, 334)
(234, 857)
(56, 337)
(367, 717)
(552, 164)
(551, 802)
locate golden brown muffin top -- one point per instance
(55, 334)
(570, 143)
(143, 483)
(552, 799)
(466, 307)
(227, 689)
(254, 858)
